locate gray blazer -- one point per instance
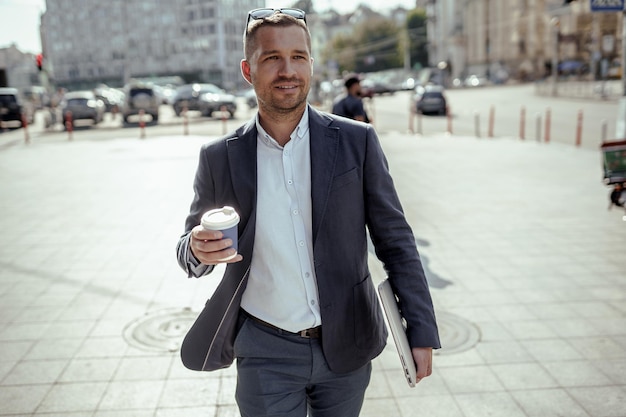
(351, 189)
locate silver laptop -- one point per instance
(398, 331)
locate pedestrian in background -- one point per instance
(350, 105)
(308, 186)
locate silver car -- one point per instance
(82, 105)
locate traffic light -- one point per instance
(39, 60)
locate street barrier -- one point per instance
(476, 124)
(185, 121)
(449, 116)
(492, 116)
(69, 124)
(579, 128)
(142, 124)
(25, 127)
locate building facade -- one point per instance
(88, 41)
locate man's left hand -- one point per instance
(423, 358)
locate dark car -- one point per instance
(371, 87)
(141, 97)
(11, 108)
(205, 98)
(83, 105)
(430, 99)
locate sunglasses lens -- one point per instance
(298, 14)
(263, 13)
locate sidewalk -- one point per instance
(527, 269)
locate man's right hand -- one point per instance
(209, 247)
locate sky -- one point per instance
(19, 19)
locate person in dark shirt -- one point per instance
(616, 196)
(351, 104)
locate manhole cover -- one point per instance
(456, 334)
(160, 331)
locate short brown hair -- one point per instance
(277, 19)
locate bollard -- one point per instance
(142, 124)
(604, 130)
(449, 116)
(579, 128)
(547, 127)
(522, 123)
(538, 127)
(419, 123)
(476, 124)
(25, 127)
(185, 121)
(224, 117)
(492, 117)
(69, 124)
(411, 119)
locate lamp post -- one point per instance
(555, 24)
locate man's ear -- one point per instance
(245, 70)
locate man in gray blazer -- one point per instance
(297, 306)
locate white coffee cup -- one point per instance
(224, 219)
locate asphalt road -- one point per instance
(495, 110)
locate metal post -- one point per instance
(555, 23)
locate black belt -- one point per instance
(312, 333)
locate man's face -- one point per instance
(280, 68)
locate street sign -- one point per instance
(607, 5)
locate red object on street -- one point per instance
(142, 124)
(579, 128)
(69, 124)
(492, 116)
(25, 127)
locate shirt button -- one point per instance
(289, 182)
(312, 302)
(306, 274)
(295, 212)
(301, 243)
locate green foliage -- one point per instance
(379, 43)
(418, 42)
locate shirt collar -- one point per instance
(299, 132)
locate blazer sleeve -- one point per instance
(204, 192)
(395, 246)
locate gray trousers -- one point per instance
(285, 375)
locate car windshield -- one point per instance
(77, 102)
(6, 99)
(138, 91)
(432, 95)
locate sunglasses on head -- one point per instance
(258, 14)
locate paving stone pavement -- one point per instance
(527, 269)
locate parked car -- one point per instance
(250, 97)
(430, 99)
(11, 108)
(83, 105)
(371, 87)
(140, 96)
(205, 98)
(112, 98)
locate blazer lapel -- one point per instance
(242, 162)
(324, 147)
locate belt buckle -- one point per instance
(305, 333)
(311, 333)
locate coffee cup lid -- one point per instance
(221, 218)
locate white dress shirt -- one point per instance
(282, 288)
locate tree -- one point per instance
(373, 46)
(418, 45)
